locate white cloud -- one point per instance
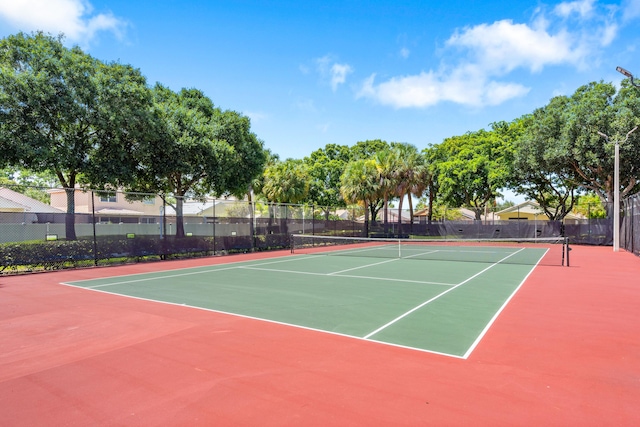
(584, 8)
(404, 53)
(487, 53)
(331, 70)
(339, 74)
(504, 46)
(464, 87)
(74, 18)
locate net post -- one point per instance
(291, 242)
(567, 249)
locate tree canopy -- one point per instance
(63, 111)
(196, 150)
(472, 168)
(325, 166)
(99, 125)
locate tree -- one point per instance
(430, 156)
(540, 171)
(325, 166)
(590, 206)
(65, 112)
(359, 184)
(598, 107)
(472, 169)
(387, 165)
(410, 176)
(368, 149)
(285, 182)
(197, 150)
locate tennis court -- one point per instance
(531, 345)
(416, 295)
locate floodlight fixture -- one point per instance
(627, 74)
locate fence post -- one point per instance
(93, 220)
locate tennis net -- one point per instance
(529, 251)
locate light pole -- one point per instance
(616, 189)
(627, 74)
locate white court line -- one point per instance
(388, 279)
(169, 276)
(363, 266)
(437, 296)
(493, 319)
(277, 322)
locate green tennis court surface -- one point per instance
(431, 305)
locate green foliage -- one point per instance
(196, 149)
(590, 206)
(367, 149)
(286, 182)
(443, 212)
(64, 112)
(472, 168)
(360, 184)
(325, 166)
(541, 168)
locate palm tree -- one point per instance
(408, 176)
(359, 183)
(387, 166)
(285, 182)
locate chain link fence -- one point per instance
(116, 227)
(630, 225)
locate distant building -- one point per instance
(17, 208)
(110, 207)
(529, 211)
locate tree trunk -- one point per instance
(366, 220)
(179, 217)
(400, 216)
(70, 217)
(430, 211)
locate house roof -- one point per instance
(528, 207)
(193, 208)
(112, 211)
(532, 208)
(20, 200)
(10, 205)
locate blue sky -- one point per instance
(310, 73)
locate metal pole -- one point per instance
(616, 189)
(93, 219)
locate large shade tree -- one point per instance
(540, 170)
(472, 169)
(197, 150)
(64, 112)
(325, 166)
(599, 107)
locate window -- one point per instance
(108, 198)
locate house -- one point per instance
(528, 211)
(17, 207)
(462, 214)
(110, 207)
